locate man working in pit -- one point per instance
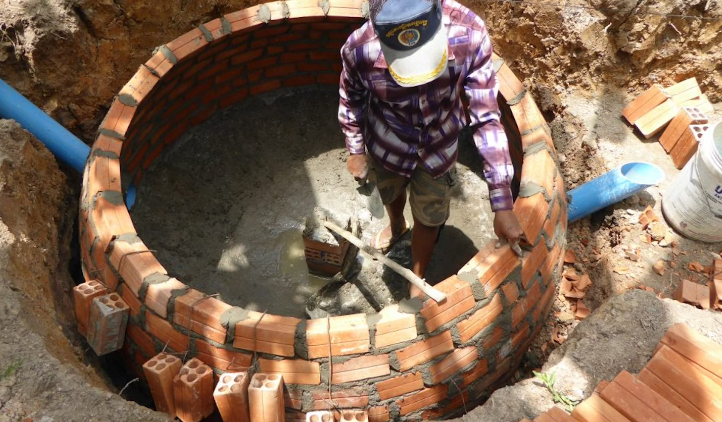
(401, 110)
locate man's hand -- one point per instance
(358, 166)
(508, 229)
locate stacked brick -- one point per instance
(679, 111)
(682, 383)
(398, 364)
(705, 296)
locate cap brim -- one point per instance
(420, 65)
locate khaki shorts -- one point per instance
(429, 198)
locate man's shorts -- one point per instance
(429, 197)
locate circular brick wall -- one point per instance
(398, 365)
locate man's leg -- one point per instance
(422, 246)
(392, 188)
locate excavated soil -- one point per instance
(583, 62)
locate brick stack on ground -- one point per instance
(679, 110)
(681, 383)
(425, 360)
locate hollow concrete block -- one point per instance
(265, 397)
(107, 322)
(231, 396)
(160, 371)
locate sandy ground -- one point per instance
(241, 187)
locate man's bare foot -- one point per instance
(386, 238)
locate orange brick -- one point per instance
(656, 120)
(480, 319)
(527, 114)
(165, 333)
(596, 409)
(715, 293)
(452, 364)
(379, 414)
(678, 125)
(701, 103)
(103, 174)
(118, 118)
(531, 213)
(193, 391)
(687, 145)
(550, 225)
(424, 351)
(206, 318)
(134, 262)
(630, 406)
(644, 103)
(511, 292)
(83, 295)
(130, 299)
(319, 416)
(363, 367)
(344, 399)
(692, 293)
(348, 335)
(531, 264)
(158, 295)
(422, 399)
(479, 370)
(265, 86)
(684, 91)
(267, 333)
(544, 306)
(294, 371)
(551, 262)
(140, 85)
(525, 305)
(697, 348)
(535, 137)
(223, 359)
(159, 372)
(509, 85)
(394, 327)
(645, 394)
(459, 300)
(183, 307)
(671, 395)
(539, 168)
(683, 377)
(141, 339)
(400, 385)
(457, 402)
(231, 396)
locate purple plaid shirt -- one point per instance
(402, 127)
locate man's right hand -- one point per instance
(358, 166)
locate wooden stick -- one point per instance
(425, 287)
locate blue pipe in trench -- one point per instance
(612, 187)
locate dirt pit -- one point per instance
(225, 208)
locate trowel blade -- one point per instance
(375, 205)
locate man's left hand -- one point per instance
(508, 229)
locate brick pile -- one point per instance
(679, 111)
(681, 383)
(430, 362)
(705, 296)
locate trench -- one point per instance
(230, 135)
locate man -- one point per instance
(401, 110)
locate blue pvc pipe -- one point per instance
(63, 144)
(612, 187)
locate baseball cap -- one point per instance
(412, 39)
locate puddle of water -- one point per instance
(292, 263)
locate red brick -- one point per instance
(398, 386)
(671, 395)
(519, 338)
(294, 371)
(106, 143)
(134, 262)
(644, 103)
(141, 339)
(159, 372)
(83, 295)
(349, 334)
(140, 85)
(539, 168)
(478, 371)
(531, 213)
(692, 293)
(281, 70)
(715, 293)
(394, 327)
(645, 394)
(379, 413)
(422, 399)
(453, 364)
(107, 323)
(531, 263)
(158, 295)
(165, 333)
(265, 86)
(596, 409)
(535, 137)
(686, 116)
(262, 63)
(424, 351)
(329, 79)
(118, 118)
(687, 144)
(223, 359)
(630, 406)
(684, 91)
(511, 292)
(130, 299)
(314, 67)
(239, 95)
(344, 399)
(509, 85)
(527, 114)
(480, 319)
(552, 261)
(550, 225)
(299, 80)
(267, 333)
(183, 307)
(525, 305)
(459, 300)
(697, 348)
(654, 121)
(544, 306)
(363, 367)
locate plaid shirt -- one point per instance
(402, 127)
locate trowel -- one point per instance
(369, 189)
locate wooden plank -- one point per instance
(656, 401)
(627, 404)
(656, 384)
(694, 386)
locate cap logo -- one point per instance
(403, 26)
(409, 37)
